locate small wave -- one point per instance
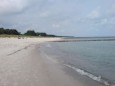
(96, 78)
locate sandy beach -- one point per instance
(22, 65)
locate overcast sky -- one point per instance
(60, 17)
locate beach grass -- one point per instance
(5, 35)
(21, 36)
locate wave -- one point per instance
(85, 73)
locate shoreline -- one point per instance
(23, 62)
(29, 67)
(87, 79)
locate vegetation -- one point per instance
(33, 33)
(30, 33)
(13, 32)
(9, 31)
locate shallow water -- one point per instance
(95, 59)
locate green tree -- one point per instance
(1, 30)
(30, 33)
(11, 32)
(42, 34)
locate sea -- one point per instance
(93, 59)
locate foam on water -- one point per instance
(96, 78)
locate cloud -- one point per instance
(112, 20)
(44, 14)
(55, 25)
(112, 10)
(104, 21)
(94, 14)
(57, 16)
(12, 6)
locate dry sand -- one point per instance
(21, 64)
(11, 45)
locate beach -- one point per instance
(22, 65)
(24, 62)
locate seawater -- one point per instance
(95, 59)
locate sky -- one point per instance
(60, 17)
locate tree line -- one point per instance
(9, 31)
(27, 33)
